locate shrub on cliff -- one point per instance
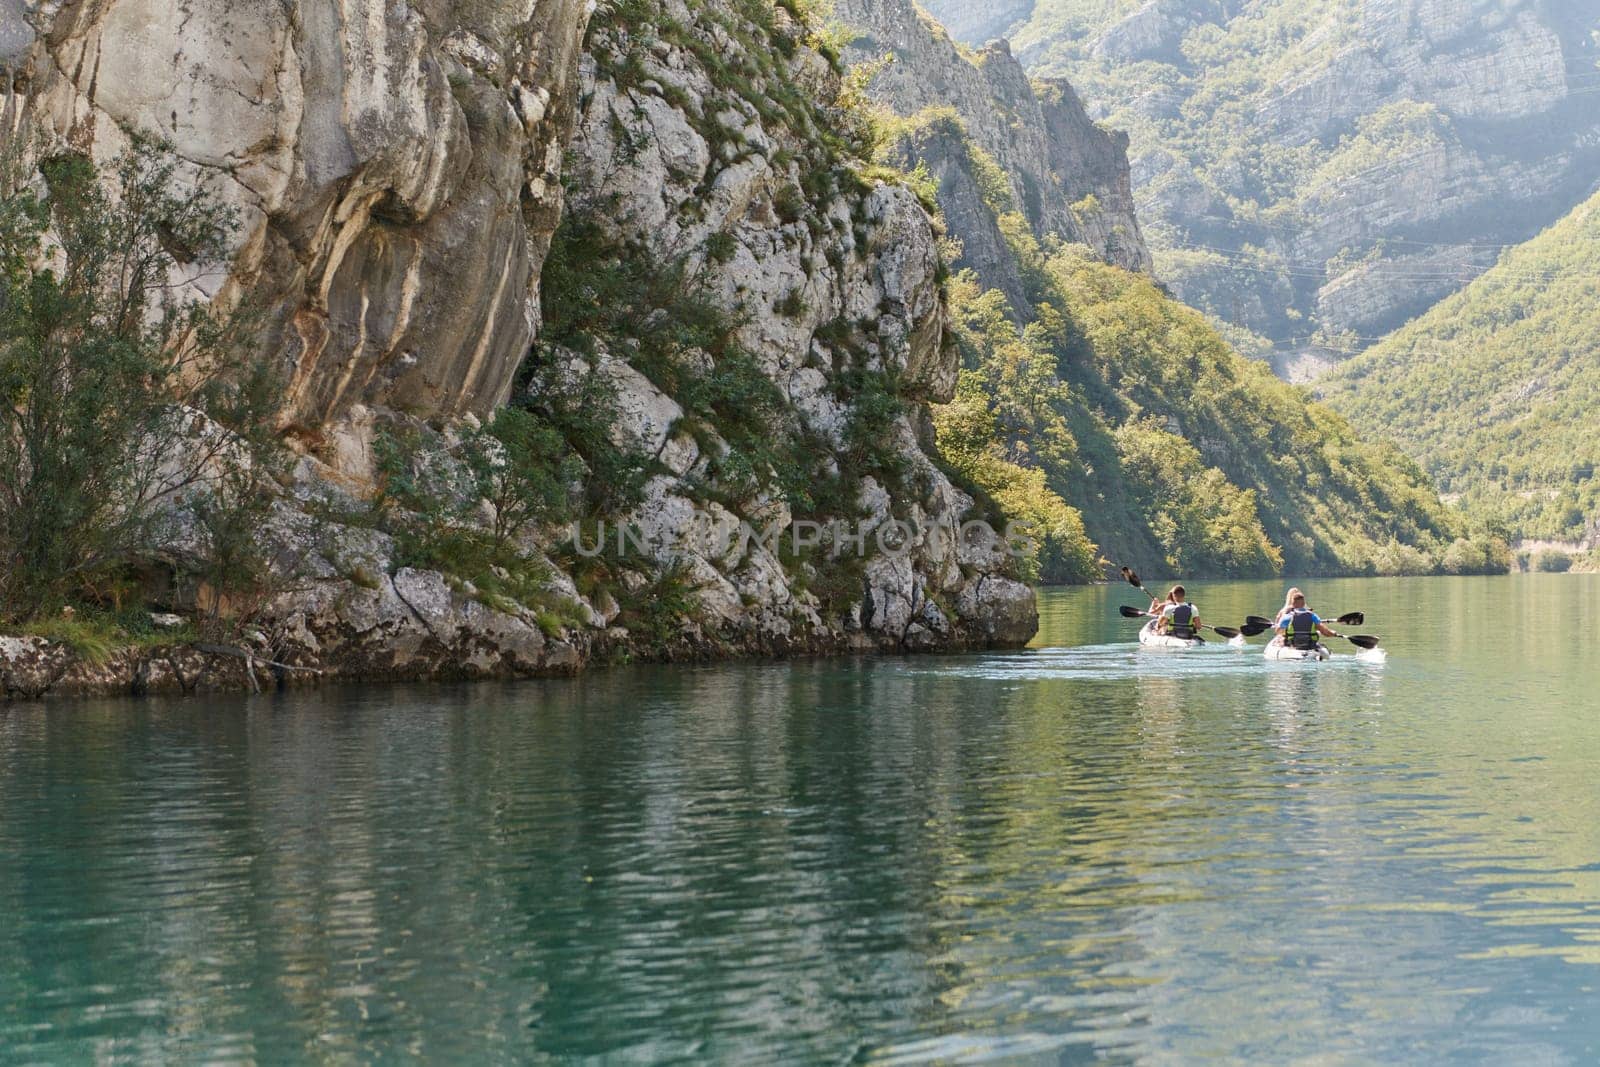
(123, 399)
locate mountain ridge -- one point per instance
(1301, 169)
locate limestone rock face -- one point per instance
(1065, 174)
(1155, 30)
(1365, 297)
(398, 170)
(395, 168)
(824, 281)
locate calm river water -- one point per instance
(1077, 852)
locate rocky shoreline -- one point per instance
(429, 634)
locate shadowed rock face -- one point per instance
(15, 33)
(395, 169)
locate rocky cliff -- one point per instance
(976, 23)
(1063, 173)
(398, 171)
(1292, 160)
(395, 169)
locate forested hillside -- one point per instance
(1091, 401)
(1496, 389)
(1320, 171)
(1180, 453)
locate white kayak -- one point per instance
(1279, 650)
(1149, 637)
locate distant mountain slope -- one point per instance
(1320, 171)
(1085, 382)
(1497, 389)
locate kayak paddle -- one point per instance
(1354, 618)
(1128, 612)
(1131, 576)
(1360, 640)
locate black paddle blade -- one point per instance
(1225, 631)
(1131, 613)
(1257, 620)
(1252, 629)
(1132, 578)
(1355, 618)
(1363, 641)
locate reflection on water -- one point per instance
(1081, 850)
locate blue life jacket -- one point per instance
(1301, 632)
(1181, 622)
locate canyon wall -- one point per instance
(400, 172)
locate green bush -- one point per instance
(103, 366)
(1552, 561)
(430, 499)
(967, 442)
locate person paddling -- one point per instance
(1288, 604)
(1300, 625)
(1176, 617)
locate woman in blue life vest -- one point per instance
(1300, 625)
(1177, 617)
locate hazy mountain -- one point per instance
(1324, 170)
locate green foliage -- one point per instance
(1552, 562)
(1206, 524)
(655, 613)
(1496, 389)
(1465, 556)
(1179, 453)
(105, 370)
(430, 496)
(522, 467)
(968, 443)
(96, 635)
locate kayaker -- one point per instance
(1300, 625)
(1288, 604)
(1176, 616)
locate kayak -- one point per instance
(1278, 650)
(1148, 636)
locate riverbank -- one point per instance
(414, 627)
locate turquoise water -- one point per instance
(1079, 851)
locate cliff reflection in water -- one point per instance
(1016, 854)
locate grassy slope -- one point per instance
(1497, 388)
